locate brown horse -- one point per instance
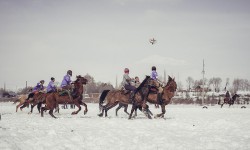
(119, 96)
(37, 99)
(167, 94)
(53, 99)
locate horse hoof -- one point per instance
(100, 115)
(85, 112)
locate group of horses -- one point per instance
(52, 100)
(146, 92)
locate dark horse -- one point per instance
(119, 96)
(53, 99)
(167, 94)
(229, 100)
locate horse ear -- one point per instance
(169, 78)
(174, 78)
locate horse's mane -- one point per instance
(169, 80)
(143, 82)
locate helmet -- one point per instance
(52, 78)
(126, 70)
(69, 72)
(153, 68)
(42, 81)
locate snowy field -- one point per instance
(184, 127)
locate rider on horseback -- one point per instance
(51, 86)
(66, 83)
(127, 84)
(36, 89)
(154, 76)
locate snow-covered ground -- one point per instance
(184, 127)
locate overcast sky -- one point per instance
(44, 38)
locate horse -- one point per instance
(167, 94)
(113, 97)
(53, 99)
(21, 99)
(37, 99)
(230, 101)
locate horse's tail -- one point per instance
(102, 97)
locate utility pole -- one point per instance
(4, 87)
(203, 74)
(116, 85)
(165, 77)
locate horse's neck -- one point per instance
(79, 88)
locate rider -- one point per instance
(51, 86)
(65, 85)
(137, 82)
(127, 84)
(36, 89)
(154, 76)
(227, 96)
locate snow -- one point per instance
(184, 127)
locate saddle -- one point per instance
(63, 93)
(153, 90)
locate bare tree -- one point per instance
(236, 85)
(216, 83)
(190, 82)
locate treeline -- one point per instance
(215, 84)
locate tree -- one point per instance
(216, 83)
(236, 85)
(190, 82)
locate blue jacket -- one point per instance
(66, 81)
(51, 87)
(38, 87)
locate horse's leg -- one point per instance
(222, 105)
(18, 106)
(109, 107)
(163, 111)
(51, 113)
(102, 109)
(135, 112)
(79, 108)
(42, 110)
(126, 109)
(24, 105)
(117, 109)
(31, 108)
(39, 105)
(132, 111)
(86, 108)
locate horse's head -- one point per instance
(145, 84)
(171, 85)
(235, 96)
(80, 79)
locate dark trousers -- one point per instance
(31, 95)
(130, 88)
